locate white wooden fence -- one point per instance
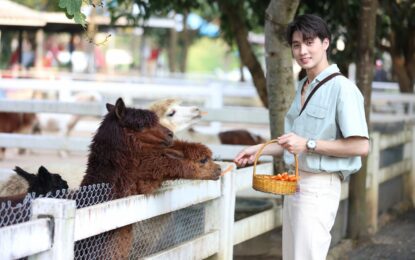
(70, 225)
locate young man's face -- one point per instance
(308, 53)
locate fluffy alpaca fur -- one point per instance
(171, 115)
(16, 123)
(122, 131)
(241, 137)
(174, 116)
(43, 182)
(39, 184)
(134, 153)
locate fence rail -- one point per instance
(95, 219)
(56, 224)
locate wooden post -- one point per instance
(412, 173)
(40, 36)
(227, 215)
(62, 214)
(372, 185)
(408, 157)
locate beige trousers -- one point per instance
(309, 215)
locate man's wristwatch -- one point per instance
(311, 145)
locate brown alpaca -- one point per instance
(183, 160)
(123, 135)
(241, 137)
(16, 123)
(134, 153)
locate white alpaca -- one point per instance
(174, 116)
(171, 114)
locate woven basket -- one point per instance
(268, 183)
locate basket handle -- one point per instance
(262, 148)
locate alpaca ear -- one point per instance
(174, 154)
(120, 108)
(110, 107)
(43, 174)
(24, 174)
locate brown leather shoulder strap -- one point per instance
(329, 77)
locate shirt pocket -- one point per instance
(315, 118)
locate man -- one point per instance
(328, 132)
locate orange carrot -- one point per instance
(228, 169)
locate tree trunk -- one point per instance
(171, 50)
(357, 228)
(279, 62)
(185, 47)
(399, 66)
(236, 21)
(402, 45)
(411, 57)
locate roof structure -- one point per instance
(21, 17)
(13, 14)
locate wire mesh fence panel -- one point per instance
(11, 213)
(129, 242)
(20, 210)
(91, 195)
(164, 231)
(95, 247)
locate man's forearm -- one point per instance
(352, 146)
(272, 149)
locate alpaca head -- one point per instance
(174, 116)
(199, 159)
(140, 125)
(43, 182)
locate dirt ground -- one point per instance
(394, 241)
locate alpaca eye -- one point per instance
(204, 160)
(172, 113)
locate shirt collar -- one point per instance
(327, 71)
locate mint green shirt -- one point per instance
(336, 110)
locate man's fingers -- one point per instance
(239, 156)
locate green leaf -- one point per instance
(72, 7)
(80, 19)
(73, 11)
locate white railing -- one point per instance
(71, 225)
(224, 115)
(225, 232)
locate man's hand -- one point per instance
(246, 156)
(293, 143)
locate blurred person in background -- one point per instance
(380, 73)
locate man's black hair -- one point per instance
(310, 26)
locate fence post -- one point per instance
(412, 173)
(227, 215)
(372, 184)
(216, 98)
(62, 214)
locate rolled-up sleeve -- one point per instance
(351, 112)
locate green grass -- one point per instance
(207, 54)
